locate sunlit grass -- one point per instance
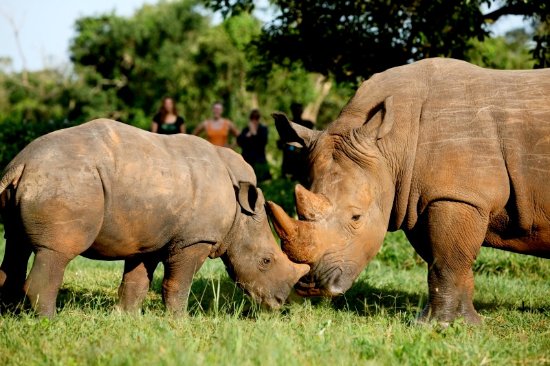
(372, 324)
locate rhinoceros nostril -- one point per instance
(335, 290)
(337, 284)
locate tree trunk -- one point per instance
(322, 88)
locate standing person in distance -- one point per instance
(253, 140)
(294, 159)
(217, 129)
(167, 121)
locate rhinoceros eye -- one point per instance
(356, 217)
(264, 263)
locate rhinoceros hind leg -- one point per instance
(44, 280)
(12, 275)
(138, 274)
(179, 268)
(455, 232)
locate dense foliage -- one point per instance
(171, 49)
(356, 38)
(504, 52)
(123, 66)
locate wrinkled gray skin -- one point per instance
(106, 190)
(455, 155)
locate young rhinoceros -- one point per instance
(106, 190)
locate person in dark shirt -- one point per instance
(167, 121)
(294, 159)
(252, 141)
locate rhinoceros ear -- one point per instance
(293, 132)
(379, 121)
(250, 198)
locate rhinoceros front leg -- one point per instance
(138, 274)
(454, 232)
(179, 268)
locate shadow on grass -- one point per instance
(212, 295)
(220, 296)
(366, 300)
(523, 307)
(83, 298)
(217, 296)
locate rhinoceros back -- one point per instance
(482, 137)
(130, 190)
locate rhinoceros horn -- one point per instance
(309, 205)
(297, 237)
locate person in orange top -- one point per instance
(217, 129)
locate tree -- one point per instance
(137, 60)
(356, 38)
(505, 52)
(123, 66)
(541, 51)
(48, 100)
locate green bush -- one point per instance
(498, 262)
(398, 252)
(14, 136)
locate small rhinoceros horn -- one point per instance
(309, 205)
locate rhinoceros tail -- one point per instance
(11, 177)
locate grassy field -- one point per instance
(372, 324)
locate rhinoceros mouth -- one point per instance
(270, 302)
(328, 285)
(308, 289)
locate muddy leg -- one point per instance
(455, 232)
(138, 274)
(179, 268)
(45, 279)
(12, 274)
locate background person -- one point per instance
(167, 121)
(253, 140)
(294, 159)
(217, 129)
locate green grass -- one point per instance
(372, 324)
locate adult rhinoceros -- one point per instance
(455, 155)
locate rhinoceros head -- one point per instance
(253, 258)
(344, 216)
